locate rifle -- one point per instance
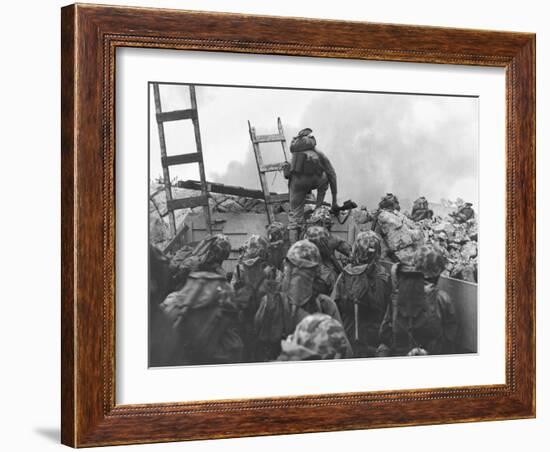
(347, 206)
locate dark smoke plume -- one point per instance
(405, 144)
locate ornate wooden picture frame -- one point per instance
(90, 37)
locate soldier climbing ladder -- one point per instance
(181, 159)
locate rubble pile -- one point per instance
(458, 241)
(402, 236)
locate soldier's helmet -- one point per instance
(276, 231)
(317, 336)
(202, 289)
(429, 259)
(366, 249)
(317, 234)
(305, 132)
(219, 249)
(255, 247)
(304, 254)
(389, 202)
(321, 216)
(417, 351)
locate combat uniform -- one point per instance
(205, 320)
(329, 267)
(280, 312)
(208, 256)
(277, 236)
(363, 293)
(317, 336)
(422, 315)
(310, 169)
(420, 210)
(321, 216)
(252, 279)
(464, 214)
(161, 283)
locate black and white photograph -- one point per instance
(292, 224)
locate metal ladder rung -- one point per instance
(182, 159)
(272, 138)
(187, 203)
(176, 115)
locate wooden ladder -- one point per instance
(269, 198)
(181, 159)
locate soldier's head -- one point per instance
(318, 235)
(366, 249)
(304, 254)
(417, 351)
(300, 270)
(429, 260)
(321, 217)
(305, 132)
(255, 249)
(218, 250)
(203, 288)
(317, 336)
(276, 232)
(389, 202)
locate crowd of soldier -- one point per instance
(297, 301)
(291, 297)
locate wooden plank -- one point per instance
(177, 240)
(202, 173)
(176, 115)
(187, 203)
(263, 181)
(181, 159)
(282, 133)
(270, 138)
(165, 171)
(272, 167)
(274, 199)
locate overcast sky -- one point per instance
(410, 145)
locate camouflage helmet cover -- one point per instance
(202, 289)
(316, 234)
(366, 247)
(304, 254)
(317, 336)
(255, 247)
(417, 351)
(219, 249)
(321, 216)
(276, 231)
(430, 260)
